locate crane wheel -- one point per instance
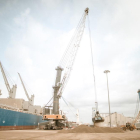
(45, 128)
(54, 127)
(131, 128)
(124, 128)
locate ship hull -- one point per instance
(17, 127)
(10, 119)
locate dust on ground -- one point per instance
(87, 129)
(54, 135)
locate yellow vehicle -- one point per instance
(128, 126)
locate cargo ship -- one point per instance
(16, 118)
(12, 118)
(18, 113)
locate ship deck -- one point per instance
(54, 135)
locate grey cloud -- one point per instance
(34, 36)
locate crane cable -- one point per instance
(29, 91)
(92, 61)
(49, 101)
(68, 106)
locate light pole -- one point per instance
(107, 71)
(0, 93)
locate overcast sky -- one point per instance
(34, 35)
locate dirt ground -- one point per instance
(54, 135)
(87, 129)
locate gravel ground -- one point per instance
(87, 129)
(54, 135)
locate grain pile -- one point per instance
(87, 129)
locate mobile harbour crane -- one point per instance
(55, 119)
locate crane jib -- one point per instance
(11, 91)
(69, 56)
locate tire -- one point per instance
(54, 128)
(124, 128)
(49, 128)
(131, 128)
(45, 128)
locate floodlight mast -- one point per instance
(11, 91)
(106, 72)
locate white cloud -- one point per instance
(36, 45)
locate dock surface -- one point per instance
(54, 135)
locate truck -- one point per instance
(137, 125)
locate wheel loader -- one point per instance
(128, 126)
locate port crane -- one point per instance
(66, 64)
(31, 99)
(11, 91)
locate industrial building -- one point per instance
(116, 120)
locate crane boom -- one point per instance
(70, 55)
(31, 100)
(67, 62)
(11, 91)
